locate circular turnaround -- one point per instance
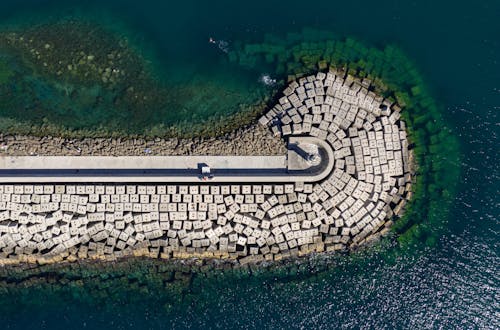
(348, 169)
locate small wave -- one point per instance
(267, 80)
(223, 45)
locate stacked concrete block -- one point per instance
(369, 184)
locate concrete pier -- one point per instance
(344, 177)
(170, 169)
(139, 162)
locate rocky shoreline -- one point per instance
(251, 140)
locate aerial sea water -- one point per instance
(452, 284)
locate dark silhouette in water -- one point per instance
(221, 44)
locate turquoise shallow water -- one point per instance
(452, 285)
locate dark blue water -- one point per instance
(452, 285)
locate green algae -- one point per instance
(5, 71)
(171, 286)
(79, 79)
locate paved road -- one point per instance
(167, 168)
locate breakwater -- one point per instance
(368, 184)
